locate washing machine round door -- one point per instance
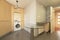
(17, 26)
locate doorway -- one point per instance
(57, 16)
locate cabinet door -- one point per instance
(35, 32)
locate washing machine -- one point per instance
(17, 25)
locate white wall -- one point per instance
(41, 13)
(30, 15)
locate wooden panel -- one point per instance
(5, 11)
(5, 17)
(4, 27)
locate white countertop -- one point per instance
(35, 27)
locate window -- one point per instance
(58, 22)
(58, 16)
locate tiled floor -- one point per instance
(24, 35)
(19, 35)
(47, 36)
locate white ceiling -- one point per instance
(50, 2)
(24, 3)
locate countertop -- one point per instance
(35, 27)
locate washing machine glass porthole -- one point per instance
(17, 25)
